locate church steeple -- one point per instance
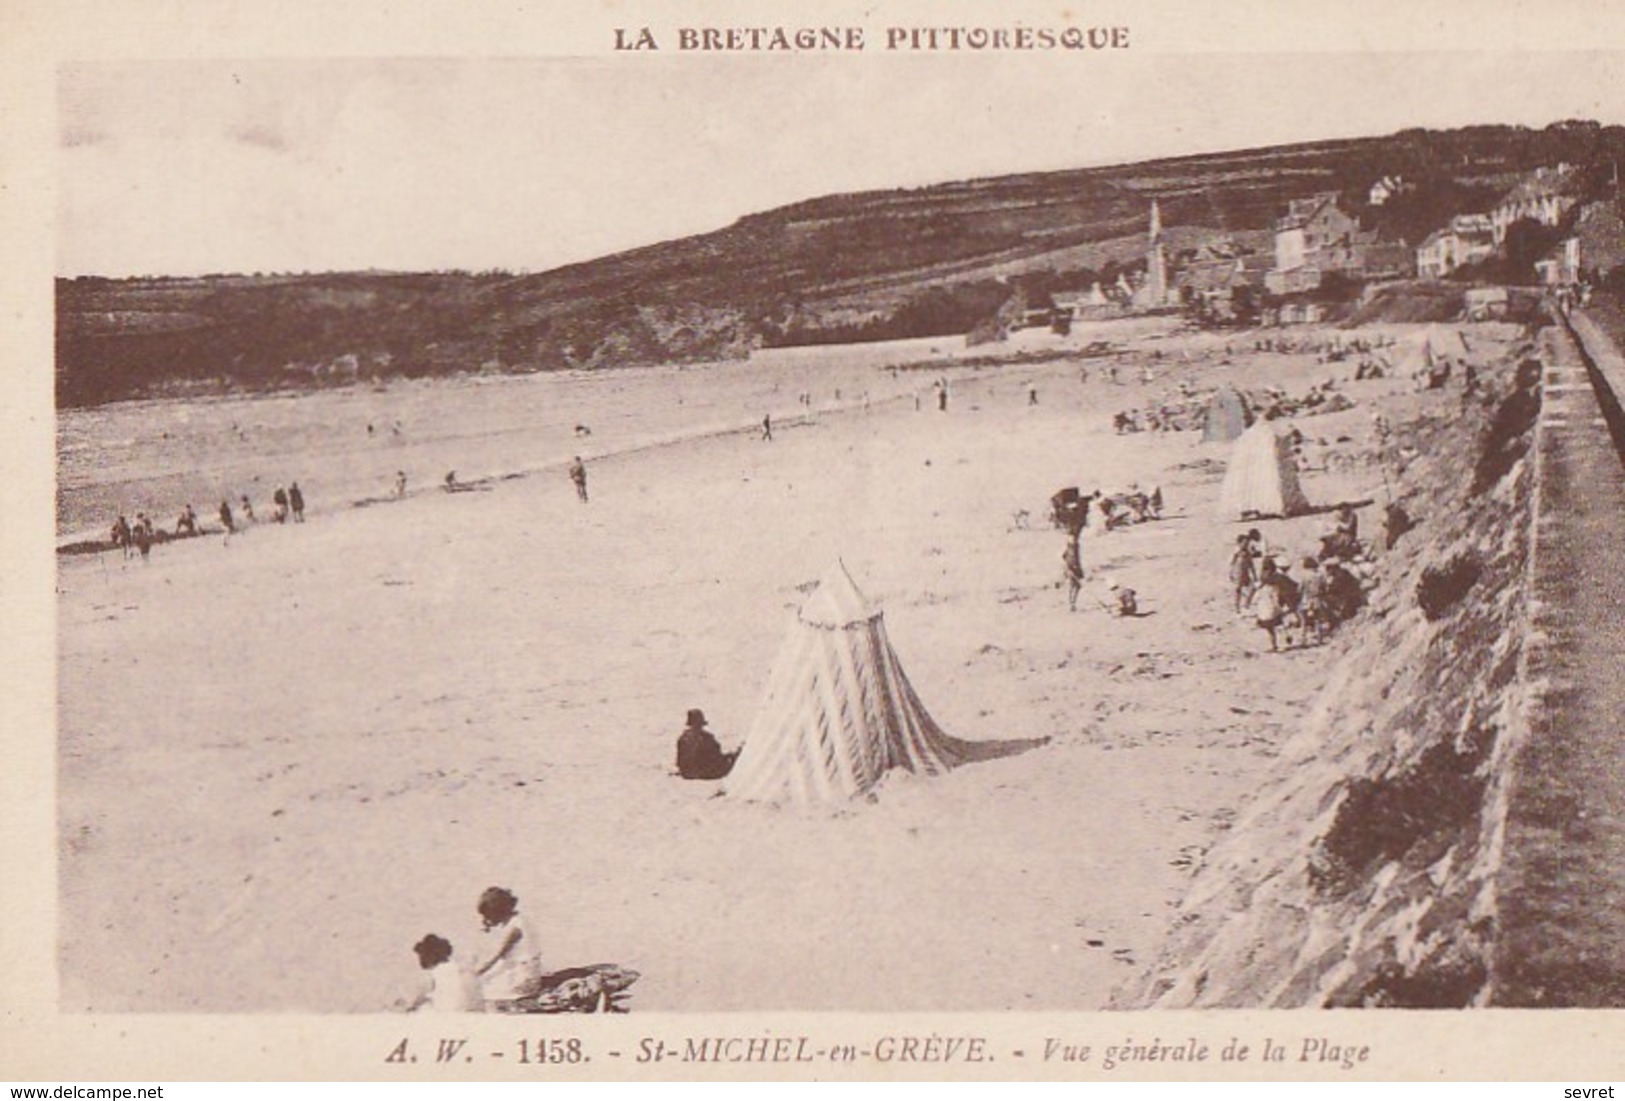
(1156, 264)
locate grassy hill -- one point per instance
(923, 261)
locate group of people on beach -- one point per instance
(1098, 513)
(134, 538)
(506, 973)
(139, 537)
(507, 967)
(285, 502)
(1331, 592)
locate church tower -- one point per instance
(1153, 292)
(1156, 261)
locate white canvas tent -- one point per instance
(1262, 478)
(1446, 343)
(1411, 356)
(839, 711)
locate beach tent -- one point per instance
(1227, 416)
(839, 712)
(1262, 478)
(1411, 357)
(1447, 343)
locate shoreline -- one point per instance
(489, 689)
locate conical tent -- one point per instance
(1227, 416)
(1446, 343)
(839, 711)
(1411, 357)
(1262, 478)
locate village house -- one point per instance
(1316, 238)
(1592, 251)
(1560, 267)
(1090, 305)
(1468, 239)
(1545, 195)
(1211, 280)
(1386, 188)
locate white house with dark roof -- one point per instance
(1468, 239)
(1545, 195)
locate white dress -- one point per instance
(451, 989)
(515, 974)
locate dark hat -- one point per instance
(696, 717)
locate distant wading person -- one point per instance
(121, 535)
(699, 754)
(578, 475)
(226, 520)
(142, 533)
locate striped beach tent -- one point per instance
(839, 712)
(1262, 478)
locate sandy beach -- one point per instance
(283, 760)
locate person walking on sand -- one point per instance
(296, 501)
(578, 475)
(1313, 613)
(400, 483)
(226, 520)
(1072, 562)
(122, 536)
(1266, 602)
(511, 965)
(767, 427)
(1243, 572)
(142, 533)
(279, 502)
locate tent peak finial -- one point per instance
(837, 602)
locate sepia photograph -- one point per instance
(990, 515)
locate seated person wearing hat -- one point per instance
(699, 755)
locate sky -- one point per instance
(308, 164)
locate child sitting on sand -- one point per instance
(445, 986)
(512, 962)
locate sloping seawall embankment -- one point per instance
(1369, 872)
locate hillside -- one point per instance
(925, 261)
